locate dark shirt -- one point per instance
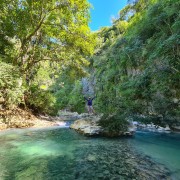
(89, 101)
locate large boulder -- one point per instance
(89, 126)
(67, 115)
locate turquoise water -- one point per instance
(163, 147)
(61, 153)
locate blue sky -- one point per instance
(103, 11)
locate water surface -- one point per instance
(61, 153)
(162, 147)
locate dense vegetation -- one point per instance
(44, 47)
(42, 43)
(137, 63)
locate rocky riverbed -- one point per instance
(65, 154)
(118, 161)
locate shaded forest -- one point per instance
(46, 47)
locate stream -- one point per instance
(62, 154)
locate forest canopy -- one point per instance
(39, 40)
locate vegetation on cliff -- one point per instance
(137, 63)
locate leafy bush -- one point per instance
(69, 95)
(11, 88)
(40, 101)
(76, 100)
(114, 124)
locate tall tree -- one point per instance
(42, 30)
(39, 39)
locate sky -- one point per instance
(103, 11)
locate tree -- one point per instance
(42, 38)
(137, 70)
(46, 30)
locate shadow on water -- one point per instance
(63, 154)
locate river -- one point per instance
(60, 153)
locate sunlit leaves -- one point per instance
(47, 28)
(43, 39)
(141, 64)
(11, 89)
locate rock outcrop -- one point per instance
(67, 115)
(152, 127)
(88, 125)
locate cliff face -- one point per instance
(88, 86)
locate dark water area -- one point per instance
(61, 153)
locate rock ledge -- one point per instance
(88, 125)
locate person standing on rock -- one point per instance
(89, 105)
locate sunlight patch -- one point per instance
(48, 148)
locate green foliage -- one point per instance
(137, 72)
(46, 30)
(42, 39)
(39, 97)
(11, 88)
(40, 101)
(62, 91)
(44, 46)
(76, 100)
(68, 93)
(113, 125)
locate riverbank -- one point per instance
(19, 118)
(83, 123)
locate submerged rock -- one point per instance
(117, 160)
(91, 158)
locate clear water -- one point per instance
(162, 147)
(61, 153)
